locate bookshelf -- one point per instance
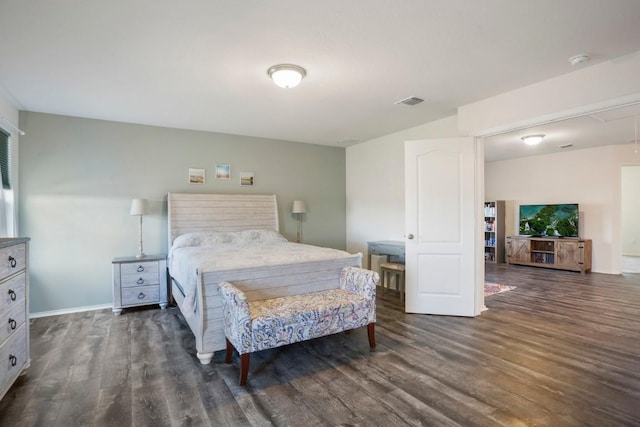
(494, 234)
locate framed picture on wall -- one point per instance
(246, 178)
(196, 176)
(223, 171)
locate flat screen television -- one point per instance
(560, 220)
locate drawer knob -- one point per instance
(12, 323)
(140, 268)
(12, 262)
(12, 295)
(140, 281)
(141, 295)
(13, 360)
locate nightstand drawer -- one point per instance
(143, 267)
(140, 279)
(139, 274)
(140, 295)
(12, 260)
(12, 292)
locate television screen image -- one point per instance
(559, 220)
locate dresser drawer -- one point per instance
(11, 320)
(140, 295)
(12, 292)
(13, 357)
(12, 260)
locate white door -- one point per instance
(443, 203)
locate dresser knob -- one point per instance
(141, 295)
(12, 323)
(12, 295)
(13, 360)
(140, 281)
(12, 262)
(140, 268)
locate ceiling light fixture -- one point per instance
(532, 139)
(579, 59)
(286, 75)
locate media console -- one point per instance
(563, 254)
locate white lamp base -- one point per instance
(141, 254)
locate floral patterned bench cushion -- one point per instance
(259, 325)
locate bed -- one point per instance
(216, 238)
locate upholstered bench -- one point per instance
(251, 326)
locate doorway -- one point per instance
(598, 128)
(630, 228)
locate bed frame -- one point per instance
(232, 212)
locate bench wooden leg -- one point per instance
(244, 362)
(244, 367)
(371, 330)
(229, 353)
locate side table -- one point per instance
(139, 281)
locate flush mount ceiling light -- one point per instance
(532, 139)
(579, 59)
(286, 75)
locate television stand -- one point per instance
(572, 254)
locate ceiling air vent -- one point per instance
(412, 100)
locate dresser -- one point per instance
(14, 309)
(139, 281)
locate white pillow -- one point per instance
(216, 238)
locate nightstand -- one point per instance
(139, 281)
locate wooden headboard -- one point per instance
(189, 213)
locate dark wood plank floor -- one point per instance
(560, 350)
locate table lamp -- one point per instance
(299, 208)
(139, 207)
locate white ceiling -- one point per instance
(611, 127)
(202, 64)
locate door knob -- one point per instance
(409, 236)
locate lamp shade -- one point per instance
(298, 207)
(139, 207)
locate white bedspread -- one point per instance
(193, 254)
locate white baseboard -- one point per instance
(69, 311)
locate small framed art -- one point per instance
(196, 176)
(246, 178)
(223, 171)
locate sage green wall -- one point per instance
(78, 176)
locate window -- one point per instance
(5, 159)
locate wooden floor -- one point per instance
(560, 350)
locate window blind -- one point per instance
(4, 159)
